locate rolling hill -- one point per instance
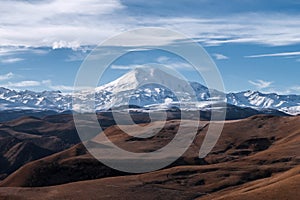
(257, 157)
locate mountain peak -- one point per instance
(141, 76)
(144, 87)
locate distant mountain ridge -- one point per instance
(286, 103)
(148, 95)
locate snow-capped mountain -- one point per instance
(286, 103)
(49, 100)
(155, 89)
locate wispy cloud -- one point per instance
(288, 90)
(7, 76)
(219, 56)
(22, 84)
(64, 88)
(63, 44)
(11, 60)
(295, 88)
(173, 65)
(60, 24)
(77, 56)
(295, 53)
(7, 52)
(162, 59)
(180, 65)
(125, 67)
(177, 64)
(270, 29)
(33, 84)
(261, 84)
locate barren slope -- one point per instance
(256, 157)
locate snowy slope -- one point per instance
(47, 100)
(254, 99)
(154, 86)
(122, 91)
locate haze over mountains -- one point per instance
(154, 96)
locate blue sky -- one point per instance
(255, 44)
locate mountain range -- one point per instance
(150, 95)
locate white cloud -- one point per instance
(162, 59)
(125, 67)
(179, 65)
(7, 51)
(7, 76)
(48, 84)
(219, 56)
(22, 84)
(77, 56)
(295, 53)
(285, 90)
(271, 29)
(261, 84)
(171, 64)
(69, 24)
(58, 23)
(63, 44)
(36, 85)
(63, 88)
(294, 89)
(11, 60)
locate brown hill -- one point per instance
(282, 186)
(256, 157)
(30, 138)
(184, 182)
(71, 165)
